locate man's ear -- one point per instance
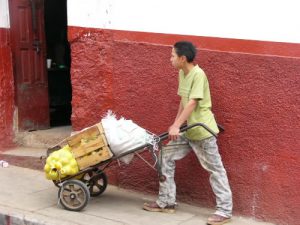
(183, 58)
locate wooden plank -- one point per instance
(88, 147)
(104, 139)
(94, 158)
(87, 133)
(99, 141)
(107, 151)
(100, 128)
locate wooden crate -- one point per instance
(89, 146)
(86, 146)
(94, 157)
(87, 133)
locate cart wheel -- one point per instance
(73, 195)
(96, 182)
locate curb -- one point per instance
(18, 220)
(10, 216)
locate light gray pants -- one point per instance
(208, 155)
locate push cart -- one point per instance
(75, 191)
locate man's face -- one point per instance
(176, 61)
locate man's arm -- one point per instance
(180, 109)
(182, 115)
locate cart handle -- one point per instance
(163, 137)
(185, 127)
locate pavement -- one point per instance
(26, 197)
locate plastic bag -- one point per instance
(124, 135)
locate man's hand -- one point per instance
(182, 115)
(173, 132)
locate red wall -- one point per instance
(6, 91)
(255, 95)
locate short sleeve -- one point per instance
(179, 82)
(197, 88)
(178, 89)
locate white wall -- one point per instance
(4, 14)
(269, 20)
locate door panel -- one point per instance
(29, 55)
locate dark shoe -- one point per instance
(217, 220)
(153, 207)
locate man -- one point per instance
(194, 107)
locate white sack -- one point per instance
(124, 135)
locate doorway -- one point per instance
(59, 61)
(38, 30)
(29, 64)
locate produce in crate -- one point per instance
(86, 148)
(60, 164)
(89, 146)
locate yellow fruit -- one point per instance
(49, 159)
(47, 168)
(73, 171)
(64, 161)
(53, 175)
(58, 165)
(66, 147)
(54, 156)
(73, 163)
(51, 164)
(66, 170)
(68, 155)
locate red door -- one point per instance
(29, 56)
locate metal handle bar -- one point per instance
(183, 128)
(162, 137)
(165, 136)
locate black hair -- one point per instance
(185, 48)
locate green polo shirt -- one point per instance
(195, 85)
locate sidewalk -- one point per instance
(26, 197)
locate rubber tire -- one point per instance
(86, 195)
(102, 176)
(88, 181)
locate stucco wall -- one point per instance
(4, 14)
(6, 79)
(256, 98)
(6, 90)
(252, 20)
